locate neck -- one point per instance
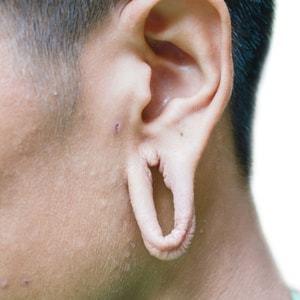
(228, 258)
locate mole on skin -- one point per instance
(117, 128)
(25, 282)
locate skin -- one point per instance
(86, 209)
(180, 122)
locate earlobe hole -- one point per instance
(163, 202)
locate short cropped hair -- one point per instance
(252, 22)
(54, 28)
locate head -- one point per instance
(99, 98)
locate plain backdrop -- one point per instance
(276, 172)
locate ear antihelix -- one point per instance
(140, 187)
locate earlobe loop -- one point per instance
(189, 53)
(140, 187)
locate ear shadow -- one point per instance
(169, 52)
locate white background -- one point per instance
(276, 174)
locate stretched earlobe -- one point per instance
(180, 183)
(187, 46)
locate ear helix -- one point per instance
(180, 182)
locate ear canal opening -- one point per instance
(140, 189)
(170, 52)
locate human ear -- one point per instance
(187, 46)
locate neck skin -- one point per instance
(228, 258)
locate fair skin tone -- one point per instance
(77, 219)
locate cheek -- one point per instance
(26, 123)
(21, 122)
(30, 121)
(85, 225)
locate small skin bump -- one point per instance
(3, 283)
(25, 282)
(127, 268)
(132, 244)
(127, 254)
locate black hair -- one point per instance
(252, 25)
(55, 26)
